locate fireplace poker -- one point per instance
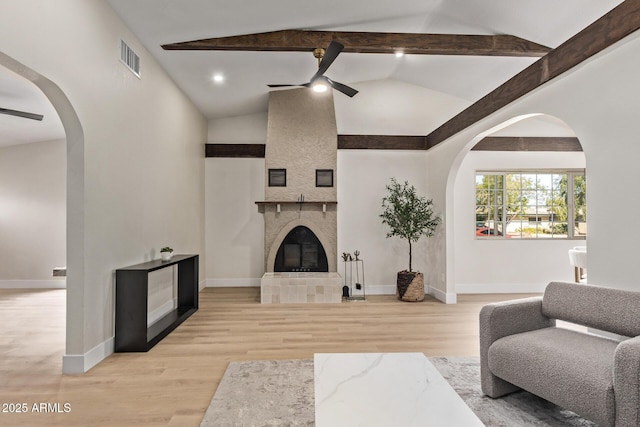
(358, 285)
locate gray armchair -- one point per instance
(594, 376)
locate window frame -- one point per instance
(274, 180)
(501, 233)
(324, 174)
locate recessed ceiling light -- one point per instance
(218, 78)
(399, 54)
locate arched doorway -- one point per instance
(74, 138)
(518, 242)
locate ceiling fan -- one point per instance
(319, 81)
(23, 114)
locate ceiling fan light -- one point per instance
(319, 87)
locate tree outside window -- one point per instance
(531, 204)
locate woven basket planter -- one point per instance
(410, 286)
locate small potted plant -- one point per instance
(166, 253)
(409, 216)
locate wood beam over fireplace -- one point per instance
(609, 29)
(408, 142)
(371, 42)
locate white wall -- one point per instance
(506, 265)
(234, 227)
(135, 161)
(32, 213)
(385, 107)
(539, 125)
(364, 175)
(599, 101)
(392, 107)
(249, 129)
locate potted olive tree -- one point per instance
(408, 216)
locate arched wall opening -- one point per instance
(74, 207)
(513, 262)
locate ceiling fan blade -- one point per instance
(329, 56)
(302, 85)
(23, 114)
(349, 91)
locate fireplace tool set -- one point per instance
(352, 263)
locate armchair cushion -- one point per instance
(569, 368)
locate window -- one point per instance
(277, 177)
(531, 204)
(324, 177)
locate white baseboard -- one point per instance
(500, 288)
(445, 297)
(448, 298)
(233, 283)
(81, 363)
(202, 284)
(34, 284)
(380, 289)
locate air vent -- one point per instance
(129, 58)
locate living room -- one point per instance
(125, 136)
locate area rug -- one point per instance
(280, 393)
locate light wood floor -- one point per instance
(172, 384)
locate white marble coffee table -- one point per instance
(385, 389)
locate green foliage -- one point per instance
(558, 204)
(408, 215)
(489, 197)
(559, 228)
(166, 249)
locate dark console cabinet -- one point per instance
(132, 288)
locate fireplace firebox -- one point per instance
(301, 251)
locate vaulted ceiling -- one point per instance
(247, 73)
(546, 22)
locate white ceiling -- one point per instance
(157, 22)
(245, 91)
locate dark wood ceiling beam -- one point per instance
(381, 142)
(235, 150)
(604, 32)
(407, 142)
(370, 42)
(528, 143)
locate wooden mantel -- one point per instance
(295, 202)
(324, 203)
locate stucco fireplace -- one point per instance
(300, 207)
